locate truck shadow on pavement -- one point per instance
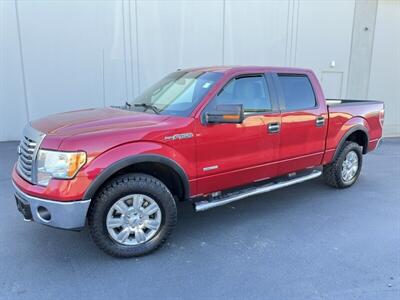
(217, 227)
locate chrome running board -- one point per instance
(207, 204)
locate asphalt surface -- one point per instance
(308, 241)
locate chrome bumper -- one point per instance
(65, 215)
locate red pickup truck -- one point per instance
(208, 135)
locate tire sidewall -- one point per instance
(348, 148)
(157, 192)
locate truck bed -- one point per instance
(344, 113)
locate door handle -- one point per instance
(274, 127)
(320, 121)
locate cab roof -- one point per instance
(244, 69)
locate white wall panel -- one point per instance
(115, 56)
(384, 83)
(176, 34)
(361, 49)
(62, 57)
(13, 113)
(255, 32)
(78, 54)
(324, 35)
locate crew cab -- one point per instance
(208, 135)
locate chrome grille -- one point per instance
(27, 151)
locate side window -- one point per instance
(297, 91)
(251, 91)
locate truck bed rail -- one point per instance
(332, 102)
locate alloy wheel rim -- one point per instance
(349, 166)
(133, 219)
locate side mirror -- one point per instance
(229, 113)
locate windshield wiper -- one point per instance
(147, 106)
(126, 106)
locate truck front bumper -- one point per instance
(65, 215)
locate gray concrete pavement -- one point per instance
(304, 242)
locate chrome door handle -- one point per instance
(274, 127)
(320, 121)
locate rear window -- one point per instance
(297, 91)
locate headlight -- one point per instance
(55, 164)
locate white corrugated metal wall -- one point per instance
(65, 55)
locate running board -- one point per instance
(207, 204)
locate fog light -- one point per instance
(43, 213)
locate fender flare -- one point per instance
(347, 134)
(131, 160)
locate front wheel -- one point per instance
(343, 172)
(132, 215)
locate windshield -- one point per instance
(177, 94)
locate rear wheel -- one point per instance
(132, 215)
(343, 172)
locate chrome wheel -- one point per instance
(133, 219)
(350, 166)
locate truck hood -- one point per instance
(95, 120)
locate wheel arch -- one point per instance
(357, 134)
(138, 163)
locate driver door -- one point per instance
(231, 155)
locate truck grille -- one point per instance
(27, 151)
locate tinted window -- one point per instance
(250, 91)
(297, 91)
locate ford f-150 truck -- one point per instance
(208, 135)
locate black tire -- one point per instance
(118, 188)
(332, 172)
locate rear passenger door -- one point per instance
(303, 123)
